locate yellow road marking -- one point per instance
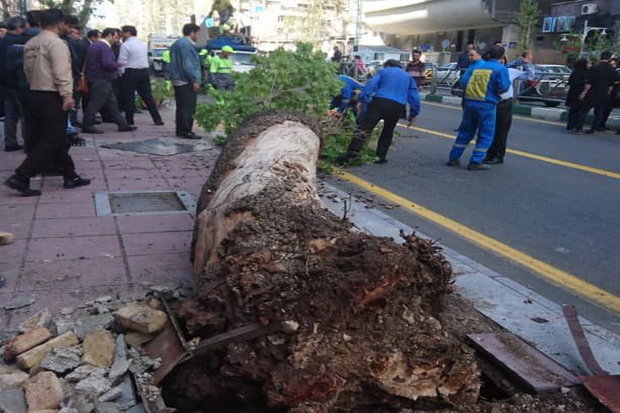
(553, 161)
(555, 275)
(525, 118)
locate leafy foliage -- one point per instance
(526, 21)
(299, 80)
(82, 9)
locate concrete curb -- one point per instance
(550, 114)
(504, 301)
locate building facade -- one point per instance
(443, 28)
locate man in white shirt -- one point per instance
(135, 77)
(503, 121)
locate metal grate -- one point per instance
(143, 202)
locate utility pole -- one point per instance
(358, 24)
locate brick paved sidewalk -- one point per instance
(64, 254)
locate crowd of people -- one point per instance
(591, 87)
(487, 80)
(49, 71)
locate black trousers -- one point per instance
(598, 103)
(14, 113)
(573, 116)
(386, 109)
(503, 122)
(102, 97)
(185, 98)
(137, 80)
(45, 136)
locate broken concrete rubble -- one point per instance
(141, 318)
(93, 386)
(99, 348)
(23, 342)
(13, 401)
(120, 363)
(34, 356)
(42, 318)
(83, 372)
(62, 359)
(20, 301)
(43, 391)
(11, 377)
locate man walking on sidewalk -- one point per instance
(483, 86)
(185, 74)
(14, 112)
(101, 71)
(47, 64)
(135, 78)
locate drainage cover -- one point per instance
(152, 147)
(143, 202)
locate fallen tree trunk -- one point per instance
(358, 313)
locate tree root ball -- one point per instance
(358, 314)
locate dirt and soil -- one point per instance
(373, 326)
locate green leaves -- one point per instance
(299, 80)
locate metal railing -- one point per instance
(550, 89)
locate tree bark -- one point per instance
(359, 313)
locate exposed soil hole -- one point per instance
(491, 391)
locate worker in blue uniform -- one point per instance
(346, 98)
(387, 92)
(483, 84)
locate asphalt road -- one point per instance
(565, 217)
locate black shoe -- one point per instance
(75, 182)
(477, 167)
(454, 162)
(381, 160)
(493, 161)
(127, 128)
(159, 122)
(190, 135)
(344, 158)
(92, 130)
(11, 148)
(22, 186)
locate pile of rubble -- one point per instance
(84, 360)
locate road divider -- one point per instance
(555, 275)
(529, 155)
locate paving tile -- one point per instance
(56, 299)
(68, 248)
(17, 211)
(10, 197)
(14, 252)
(72, 274)
(137, 184)
(68, 197)
(67, 227)
(132, 224)
(87, 164)
(66, 210)
(115, 174)
(160, 268)
(56, 185)
(157, 243)
(128, 164)
(10, 270)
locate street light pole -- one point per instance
(358, 23)
(587, 29)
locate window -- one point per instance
(303, 5)
(280, 19)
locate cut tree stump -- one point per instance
(361, 312)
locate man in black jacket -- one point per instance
(599, 83)
(14, 112)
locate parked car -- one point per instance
(447, 75)
(549, 87)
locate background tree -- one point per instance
(526, 21)
(82, 9)
(320, 20)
